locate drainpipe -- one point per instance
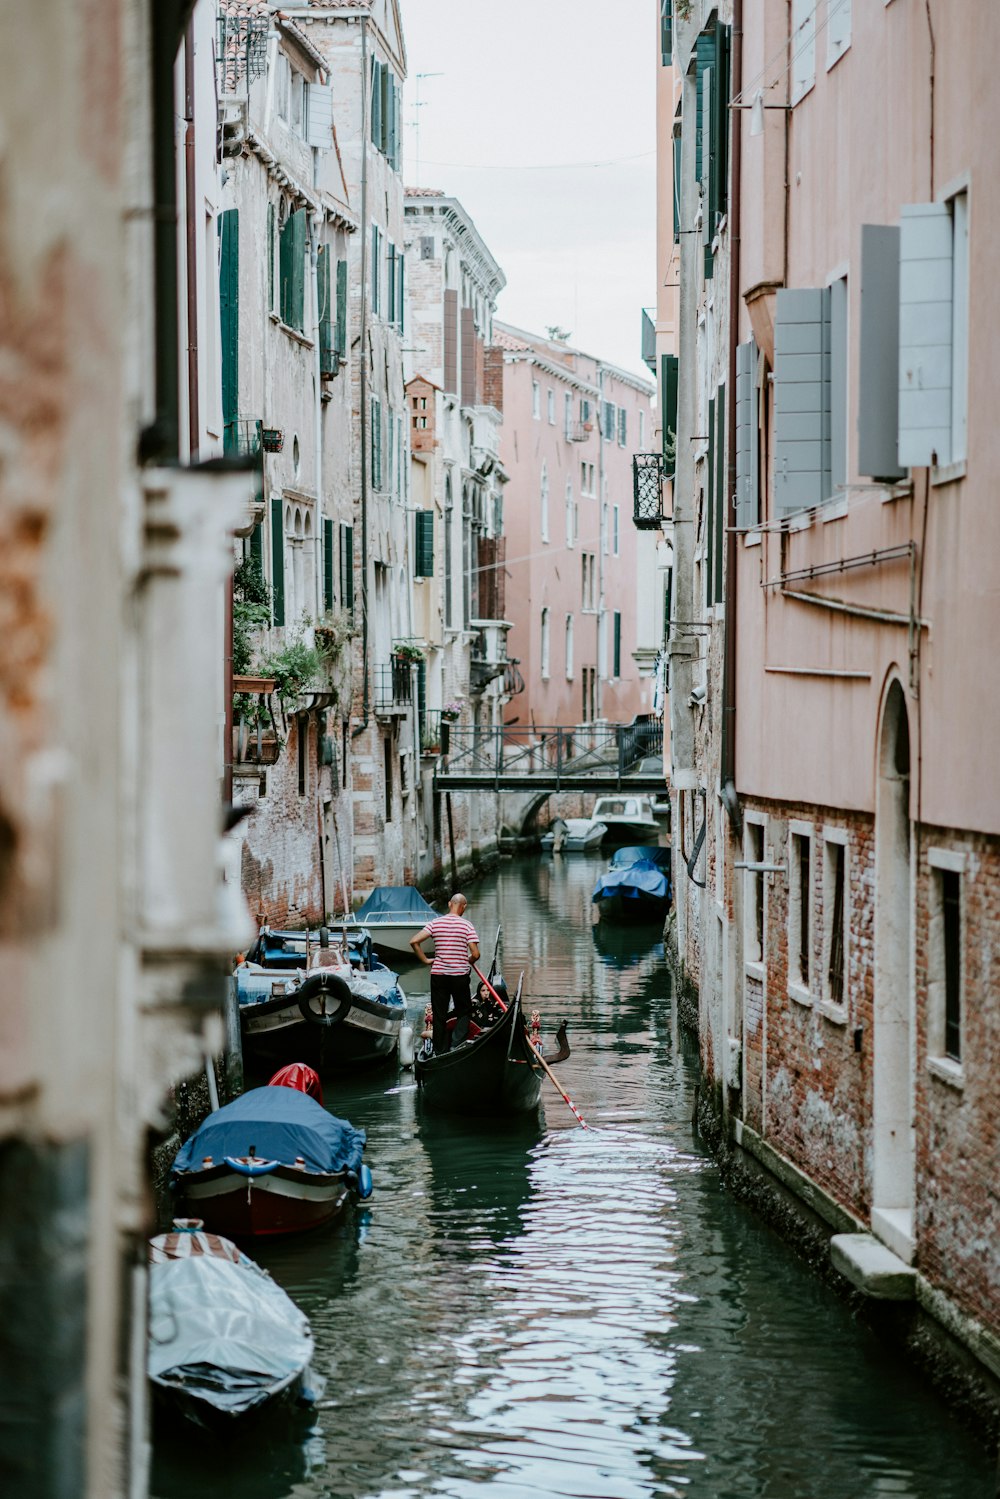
(191, 249)
(317, 224)
(601, 539)
(160, 442)
(363, 340)
(728, 770)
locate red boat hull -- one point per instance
(285, 1201)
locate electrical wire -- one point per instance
(549, 166)
(751, 88)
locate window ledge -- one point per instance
(948, 473)
(836, 1014)
(947, 1071)
(293, 333)
(801, 995)
(752, 539)
(835, 509)
(754, 970)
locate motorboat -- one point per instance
(495, 1071)
(225, 1342)
(393, 914)
(271, 1162)
(572, 835)
(627, 818)
(638, 891)
(326, 1001)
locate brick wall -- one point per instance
(493, 378)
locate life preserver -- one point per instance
(324, 999)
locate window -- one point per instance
(536, 400)
(838, 30)
(376, 287)
(608, 420)
(423, 522)
(296, 102)
(944, 1037)
(376, 444)
(570, 514)
(622, 427)
(584, 412)
(347, 568)
(799, 910)
(385, 112)
(552, 408)
(835, 916)
(754, 888)
(302, 726)
(616, 511)
(933, 332)
(604, 529)
(282, 80)
(545, 645)
(569, 647)
(803, 49)
(545, 503)
(616, 659)
(589, 577)
(642, 431)
(292, 270)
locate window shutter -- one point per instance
(385, 80)
(622, 427)
(341, 341)
(451, 342)
(270, 257)
(721, 495)
(319, 121)
(401, 289)
(390, 301)
(229, 321)
(720, 124)
(299, 270)
(677, 189)
(704, 57)
(925, 334)
(608, 420)
(708, 170)
(838, 387)
(424, 544)
(668, 399)
(327, 562)
(666, 32)
(376, 454)
(878, 356)
(347, 568)
(617, 668)
(328, 362)
(801, 399)
(376, 102)
(803, 48)
(277, 560)
(468, 357)
(376, 270)
(257, 546)
(747, 513)
(709, 547)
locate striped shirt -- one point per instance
(452, 935)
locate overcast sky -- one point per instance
(532, 94)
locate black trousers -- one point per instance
(446, 987)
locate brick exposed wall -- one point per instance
(493, 378)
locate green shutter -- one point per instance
(328, 361)
(229, 321)
(421, 694)
(423, 522)
(668, 398)
(341, 344)
(618, 646)
(709, 512)
(721, 508)
(270, 257)
(347, 568)
(666, 32)
(401, 289)
(704, 58)
(257, 546)
(720, 132)
(278, 560)
(376, 444)
(386, 120)
(376, 269)
(376, 102)
(327, 563)
(292, 267)
(390, 308)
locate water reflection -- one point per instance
(542, 1310)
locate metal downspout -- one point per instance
(317, 224)
(191, 249)
(728, 776)
(363, 373)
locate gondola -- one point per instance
(496, 1071)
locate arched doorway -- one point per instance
(892, 1133)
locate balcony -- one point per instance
(579, 431)
(648, 472)
(648, 339)
(393, 688)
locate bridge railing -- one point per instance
(548, 751)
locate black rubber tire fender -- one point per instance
(324, 999)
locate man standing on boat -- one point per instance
(456, 947)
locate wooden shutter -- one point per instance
(385, 82)
(277, 560)
(838, 387)
(298, 221)
(668, 404)
(327, 562)
(468, 357)
(257, 546)
(319, 115)
(925, 334)
(376, 102)
(341, 338)
(801, 399)
(720, 124)
(709, 547)
(878, 354)
(328, 361)
(376, 445)
(401, 289)
(390, 282)
(617, 668)
(747, 493)
(270, 257)
(708, 169)
(666, 32)
(721, 494)
(704, 58)
(424, 544)
(229, 321)
(622, 427)
(677, 189)
(347, 568)
(376, 270)
(451, 342)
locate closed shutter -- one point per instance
(838, 387)
(616, 670)
(878, 354)
(677, 189)
(390, 301)
(385, 80)
(277, 560)
(622, 427)
(423, 544)
(708, 170)
(229, 322)
(319, 119)
(720, 124)
(468, 357)
(666, 32)
(451, 342)
(400, 289)
(704, 58)
(376, 450)
(669, 366)
(328, 361)
(347, 568)
(341, 339)
(721, 494)
(709, 511)
(257, 546)
(293, 270)
(376, 102)
(925, 334)
(376, 270)
(747, 513)
(270, 257)
(608, 420)
(327, 562)
(801, 399)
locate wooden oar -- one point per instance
(545, 1066)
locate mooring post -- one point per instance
(451, 843)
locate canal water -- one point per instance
(539, 1310)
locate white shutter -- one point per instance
(801, 399)
(803, 48)
(319, 118)
(747, 514)
(925, 326)
(878, 353)
(838, 29)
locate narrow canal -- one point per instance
(544, 1310)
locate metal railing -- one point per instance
(557, 757)
(647, 491)
(392, 686)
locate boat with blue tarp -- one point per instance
(393, 914)
(271, 1162)
(639, 891)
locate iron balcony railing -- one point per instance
(393, 686)
(647, 490)
(549, 756)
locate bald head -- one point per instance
(457, 904)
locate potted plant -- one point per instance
(451, 712)
(407, 650)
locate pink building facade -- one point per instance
(585, 633)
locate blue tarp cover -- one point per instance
(639, 854)
(641, 878)
(280, 1124)
(395, 903)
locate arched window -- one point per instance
(545, 503)
(545, 645)
(569, 647)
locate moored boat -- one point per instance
(225, 1342)
(271, 1162)
(627, 819)
(639, 891)
(393, 914)
(573, 835)
(496, 1071)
